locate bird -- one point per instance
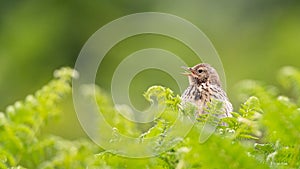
(205, 85)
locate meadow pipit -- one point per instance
(204, 85)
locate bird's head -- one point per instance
(202, 73)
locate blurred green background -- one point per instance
(253, 38)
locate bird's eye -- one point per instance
(200, 70)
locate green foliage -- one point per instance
(20, 141)
(263, 133)
(280, 120)
(245, 124)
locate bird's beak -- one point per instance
(188, 71)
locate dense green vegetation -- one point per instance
(263, 132)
